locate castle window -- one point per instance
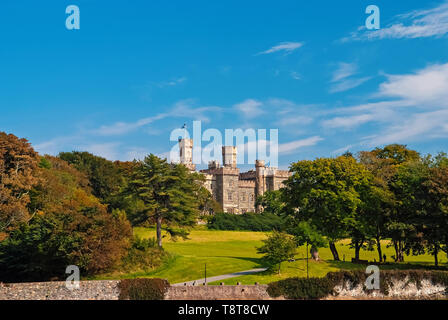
(243, 196)
(251, 197)
(229, 196)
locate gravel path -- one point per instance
(221, 277)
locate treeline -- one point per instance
(79, 209)
(390, 193)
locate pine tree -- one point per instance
(169, 193)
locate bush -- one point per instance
(143, 289)
(301, 288)
(318, 288)
(42, 249)
(144, 254)
(245, 222)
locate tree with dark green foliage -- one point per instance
(379, 200)
(264, 221)
(271, 202)
(169, 194)
(326, 192)
(104, 176)
(306, 234)
(278, 247)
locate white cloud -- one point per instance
(344, 70)
(250, 108)
(418, 109)
(415, 24)
(182, 109)
(342, 150)
(348, 122)
(347, 84)
(341, 80)
(287, 47)
(418, 127)
(292, 146)
(171, 83)
(120, 128)
(295, 75)
(427, 86)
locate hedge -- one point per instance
(245, 222)
(318, 288)
(143, 289)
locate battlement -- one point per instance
(246, 184)
(249, 175)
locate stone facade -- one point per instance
(235, 191)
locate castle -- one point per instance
(235, 191)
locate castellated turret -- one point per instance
(229, 156)
(186, 153)
(235, 191)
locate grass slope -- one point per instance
(232, 251)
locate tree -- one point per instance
(70, 226)
(306, 234)
(18, 164)
(405, 222)
(208, 205)
(387, 210)
(271, 201)
(278, 247)
(169, 194)
(397, 154)
(325, 192)
(378, 200)
(104, 176)
(435, 224)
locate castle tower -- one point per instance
(229, 156)
(260, 180)
(186, 153)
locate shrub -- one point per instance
(95, 241)
(318, 288)
(143, 289)
(144, 254)
(245, 222)
(301, 288)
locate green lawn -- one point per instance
(232, 251)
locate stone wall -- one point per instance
(108, 290)
(56, 290)
(240, 292)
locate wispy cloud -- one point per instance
(250, 108)
(344, 70)
(347, 84)
(182, 109)
(414, 107)
(341, 80)
(295, 75)
(293, 146)
(416, 24)
(286, 47)
(172, 82)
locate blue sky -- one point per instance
(135, 71)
